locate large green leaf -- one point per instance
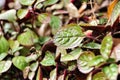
(9, 15)
(83, 62)
(4, 45)
(115, 13)
(111, 71)
(27, 38)
(22, 13)
(50, 2)
(55, 23)
(26, 2)
(69, 36)
(99, 76)
(48, 60)
(4, 66)
(106, 46)
(20, 62)
(74, 55)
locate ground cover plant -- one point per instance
(59, 39)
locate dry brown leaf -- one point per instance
(110, 7)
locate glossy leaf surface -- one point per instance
(83, 62)
(5, 65)
(48, 60)
(106, 46)
(9, 15)
(20, 62)
(74, 55)
(4, 45)
(111, 71)
(69, 37)
(27, 38)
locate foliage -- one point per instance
(59, 39)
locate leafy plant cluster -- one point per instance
(54, 40)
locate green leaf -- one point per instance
(53, 74)
(48, 60)
(33, 66)
(44, 18)
(20, 62)
(22, 13)
(115, 13)
(14, 45)
(92, 45)
(26, 2)
(4, 66)
(9, 15)
(99, 76)
(28, 38)
(4, 45)
(74, 55)
(69, 36)
(106, 46)
(33, 57)
(72, 65)
(43, 39)
(2, 56)
(83, 62)
(111, 71)
(55, 24)
(97, 60)
(50, 2)
(31, 75)
(39, 74)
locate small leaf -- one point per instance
(48, 60)
(33, 57)
(4, 66)
(9, 15)
(44, 18)
(106, 46)
(92, 45)
(69, 37)
(22, 13)
(83, 62)
(74, 55)
(31, 75)
(14, 45)
(115, 13)
(28, 38)
(20, 62)
(43, 39)
(72, 65)
(55, 24)
(111, 71)
(2, 56)
(97, 60)
(26, 2)
(33, 66)
(50, 2)
(53, 74)
(39, 74)
(99, 76)
(4, 45)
